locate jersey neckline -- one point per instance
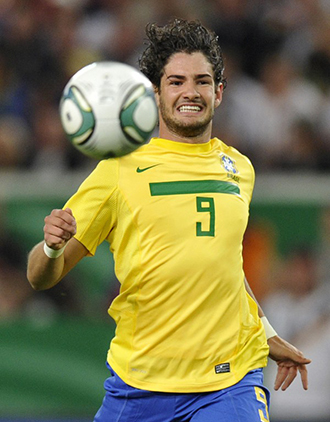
(182, 146)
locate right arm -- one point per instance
(289, 359)
(44, 272)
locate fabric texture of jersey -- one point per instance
(174, 215)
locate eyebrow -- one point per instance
(203, 75)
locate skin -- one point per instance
(290, 361)
(187, 98)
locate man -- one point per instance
(189, 344)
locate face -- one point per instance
(187, 98)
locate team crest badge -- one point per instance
(228, 164)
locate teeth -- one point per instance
(189, 109)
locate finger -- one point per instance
(53, 234)
(60, 223)
(62, 220)
(282, 373)
(69, 212)
(58, 232)
(304, 376)
(59, 228)
(292, 373)
(299, 358)
(304, 361)
(65, 215)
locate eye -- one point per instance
(176, 83)
(203, 82)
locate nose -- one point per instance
(191, 90)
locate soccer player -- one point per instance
(191, 340)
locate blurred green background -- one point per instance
(52, 348)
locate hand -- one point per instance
(290, 360)
(59, 228)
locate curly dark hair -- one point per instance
(179, 35)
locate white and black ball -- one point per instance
(108, 109)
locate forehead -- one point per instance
(188, 64)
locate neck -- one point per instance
(166, 133)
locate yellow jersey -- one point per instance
(174, 215)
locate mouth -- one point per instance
(189, 108)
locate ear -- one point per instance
(156, 92)
(218, 95)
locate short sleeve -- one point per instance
(94, 205)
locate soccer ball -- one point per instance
(108, 109)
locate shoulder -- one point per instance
(241, 162)
(238, 167)
(103, 177)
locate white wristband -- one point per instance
(269, 330)
(52, 253)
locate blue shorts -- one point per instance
(246, 401)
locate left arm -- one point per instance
(289, 359)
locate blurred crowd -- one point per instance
(276, 107)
